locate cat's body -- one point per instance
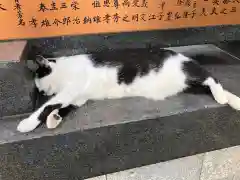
(150, 73)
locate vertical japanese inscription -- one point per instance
(18, 9)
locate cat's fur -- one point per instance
(151, 73)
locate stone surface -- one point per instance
(68, 45)
(97, 143)
(231, 47)
(236, 176)
(221, 164)
(15, 90)
(98, 178)
(12, 50)
(227, 178)
(180, 169)
(215, 165)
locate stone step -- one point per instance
(15, 89)
(109, 136)
(164, 38)
(13, 51)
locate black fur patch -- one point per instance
(132, 62)
(63, 112)
(43, 71)
(52, 60)
(127, 74)
(213, 59)
(34, 97)
(196, 75)
(47, 110)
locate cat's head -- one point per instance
(39, 67)
(44, 66)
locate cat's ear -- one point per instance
(41, 61)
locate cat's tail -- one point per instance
(197, 76)
(233, 100)
(221, 95)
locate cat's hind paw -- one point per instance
(53, 119)
(27, 125)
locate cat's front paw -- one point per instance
(53, 119)
(27, 125)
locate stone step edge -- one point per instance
(13, 51)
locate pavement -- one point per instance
(222, 164)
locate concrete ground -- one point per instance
(216, 165)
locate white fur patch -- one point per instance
(233, 100)
(221, 95)
(217, 90)
(28, 124)
(102, 83)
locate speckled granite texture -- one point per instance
(177, 37)
(15, 90)
(221, 164)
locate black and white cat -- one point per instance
(151, 73)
